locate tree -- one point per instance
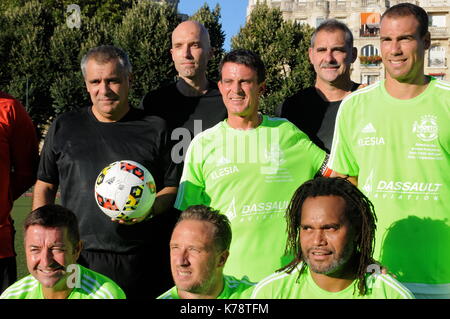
(68, 91)
(145, 34)
(283, 47)
(40, 52)
(210, 19)
(6, 40)
(30, 76)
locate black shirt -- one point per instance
(78, 146)
(185, 116)
(312, 115)
(181, 111)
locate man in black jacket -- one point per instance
(313, 110)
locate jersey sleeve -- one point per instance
(342, 159)
(261, 291)
(317, 156)
(192, 184)
(24, 151)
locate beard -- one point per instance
(334, 265)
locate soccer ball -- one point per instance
(125, 190)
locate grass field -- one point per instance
(22, 207)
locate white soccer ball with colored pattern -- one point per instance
(125, 190)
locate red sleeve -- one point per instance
(23, 150)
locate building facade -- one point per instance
(363, 19)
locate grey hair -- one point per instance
(333, 25)
(104, 54)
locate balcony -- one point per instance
(339, 7)
(286, 6)
(439, 32)
(322, 4)
(366, 3)
(435, 3)
(365, 32)
(368, 61)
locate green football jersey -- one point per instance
(233, 288)
(90, 285)
(282, 285)
(400, 151)
(250, 175)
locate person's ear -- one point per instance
(77, 249)
(310, 54)
(427, 41)
(354, 54)
(223, 258)
(262, 88)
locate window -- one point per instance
(369, 56)
(436, 56)
(369, 50)
(436, 20)
(370, 24)
(369, 78)
(301, 21)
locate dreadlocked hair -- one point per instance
(359, 211)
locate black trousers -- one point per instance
(142, 275)
(8, 272)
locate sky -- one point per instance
(233, 13)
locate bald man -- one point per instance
(190, 105)
(193, 103)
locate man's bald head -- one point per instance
(191, 49)
(195, 27)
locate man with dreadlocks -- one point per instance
(331, 228)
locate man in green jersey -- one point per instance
(52, 247)
(199, 249)
(248, 167)
(331, 230)
(393, 139)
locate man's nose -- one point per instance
(236, 87)
(46, 258)
(187, 52)
(395, 48)
(329, 57)
(319, 238)
(104, 87)
(182, 258)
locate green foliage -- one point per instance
(145, 34)
(110, 11)
(31, 27)
(67, 89)
(283, 46)
(6, 41)
(210, 19)
(39, 51)
(40, 54)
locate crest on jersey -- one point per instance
(427, 128)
